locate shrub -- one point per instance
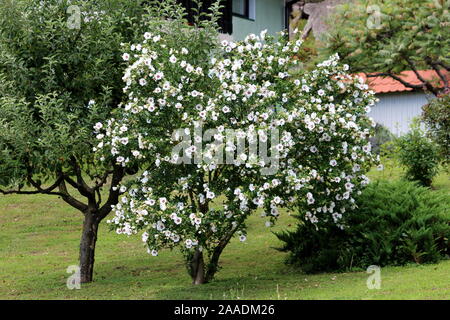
(244, 90)
(419, 155)
(436, 115)
(396, 223)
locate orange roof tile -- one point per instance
(387, 84)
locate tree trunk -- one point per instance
(87, 247)
(213, 265)
(198, 268)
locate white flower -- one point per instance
(126, 57)
(263, 33)
(173, 59)
(98, 126)
(163, 204)
(189, 68)
(136, 153)
(242, 238)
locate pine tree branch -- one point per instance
(426, 83)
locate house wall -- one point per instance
(269, 14)
(396, 110)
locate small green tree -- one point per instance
(60, 74)
(387, 37)
(436, 116)
(419, 154)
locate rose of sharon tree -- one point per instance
(311, 135)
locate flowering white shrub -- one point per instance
(314, 126)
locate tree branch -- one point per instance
(114, 192)
(393, 76)
(99, 197)
(38, 188)
(438, 71)
(102, 180)
(71, 200)
(426, 83)
(9, 192)
(84, 189)
(443, 65)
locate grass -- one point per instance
(39, 238)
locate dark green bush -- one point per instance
(419, 155)
(396, 223)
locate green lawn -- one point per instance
(39, 238)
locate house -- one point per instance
(253, 16)
(242, 17)
(398, 104)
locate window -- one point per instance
(244, 9)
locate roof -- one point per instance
(387, 84)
